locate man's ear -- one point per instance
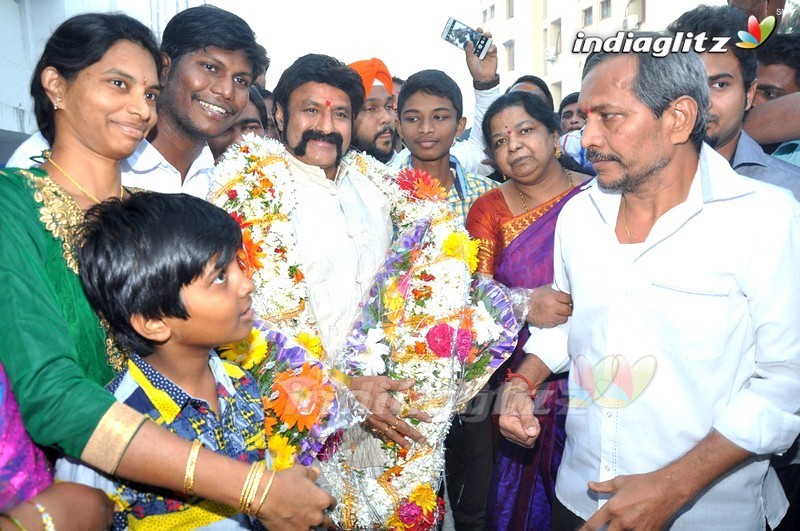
(166, 65)
(54, 84)
(155, 330)
(279, 118)
(750, 94)
(682, 116)
(462, 124)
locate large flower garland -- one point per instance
(424, 318)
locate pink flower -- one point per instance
(463, 343)
(409, 513)
(440, 340)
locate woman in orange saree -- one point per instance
(515, 224)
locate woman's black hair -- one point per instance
(537, 109)
(78, 43)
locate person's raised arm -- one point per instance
(775, 121)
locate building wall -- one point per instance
(28, 25)
(544, 32)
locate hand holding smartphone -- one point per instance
(459, 34)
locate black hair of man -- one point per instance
(136, 254)
(569, 99)
(434, 83)
(781, 49)
(258, 100)
(539, 82)
(319, 68)
(198, 28)
(720, 21)
(78, 43)
(661, 80)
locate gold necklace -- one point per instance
(76, 183)
(522, 196)
(625, 219)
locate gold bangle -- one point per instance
(191, 464)
(251, 484)
(13, 520)
(264, 495)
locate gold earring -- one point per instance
(558, 151)
(55, 105)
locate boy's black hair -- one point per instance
(199, 27)
(781, 49)
(435, 83)
(136, 254)
(720, 21)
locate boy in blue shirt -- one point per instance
(161, 270)
(429, 118)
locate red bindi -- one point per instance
(327, 103)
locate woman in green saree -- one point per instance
(95, 89)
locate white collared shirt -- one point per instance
(709, 307)
(343, 233)
(148, 169)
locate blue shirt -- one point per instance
(237, 432)
(750, 160)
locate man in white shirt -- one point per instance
(341, 218)
(683, 346)
(210, 59)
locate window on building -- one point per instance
(491, 11)
(509, 45)
(485, 16)
(509, 8)
(605, 8)
(587, 17)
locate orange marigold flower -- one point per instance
(250, 254)
(422, 293)
(420, 348)
(301, 397)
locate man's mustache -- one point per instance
(314, 134)
(596, 156)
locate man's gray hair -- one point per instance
(661, 80)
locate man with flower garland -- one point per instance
(340, 218)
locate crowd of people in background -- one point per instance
(652, 219)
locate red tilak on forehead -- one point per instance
(327, 103)
(586, 111)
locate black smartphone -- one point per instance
(459, 34)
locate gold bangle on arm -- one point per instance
(251, 484)
(191, 464)
(264, 494)
(13, 520)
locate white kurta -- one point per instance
(343, 233)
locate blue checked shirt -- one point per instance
(238, 432)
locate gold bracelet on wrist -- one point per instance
(251, 484)
(264, 494)
(191, 464)
(14, 521)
